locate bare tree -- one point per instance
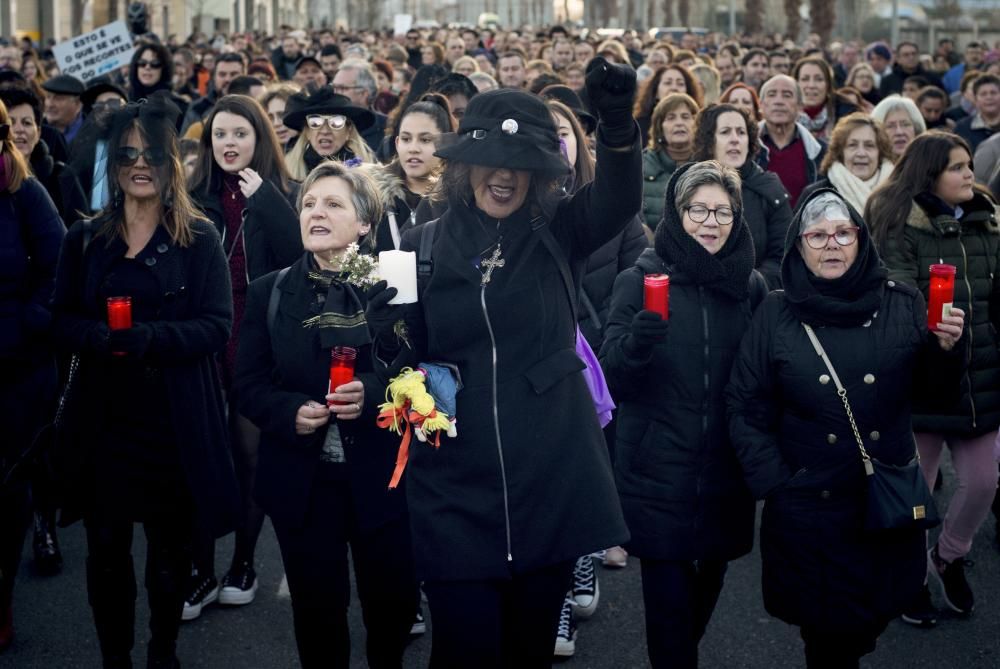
(794, 22)
(753, 19)
(823, 14)
(684, 12)
(668, 12)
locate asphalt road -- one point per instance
(54, 629)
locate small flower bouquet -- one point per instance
(361, 268)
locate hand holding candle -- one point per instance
(119, 315)
(941, 294)
(399, 270)
(341, 369)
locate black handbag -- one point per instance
(898, 496)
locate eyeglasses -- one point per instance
(344, 89)
(127, 156)
(818, 240)
(699, 214)
(113, 103)
(155, 64)
(336, 122)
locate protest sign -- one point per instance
(95, 53)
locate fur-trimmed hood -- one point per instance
(390, 184)
(980, 210)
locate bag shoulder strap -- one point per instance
(274, 300)
(425, 252)
(842, 393)
(559, 256)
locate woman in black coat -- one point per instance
(30, 235)
(821, 570)
(324, 470)
(498, 532)
(726, 134)
(686, 506)
(148, 407)
(241, 184)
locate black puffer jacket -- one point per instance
(768, 213)
(680, 483)
(603, 266)
(972, 244)
(793, 438)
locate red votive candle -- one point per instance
(119, 315)
(656, 294)
(941, 294)
(341, 368)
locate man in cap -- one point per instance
(309, 71)
(63, 105)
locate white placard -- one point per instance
(95, 53)
(401, 24)
(399, 270)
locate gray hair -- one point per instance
(709, 173)
(896, 103)
(483, 82)
(782, 77)
(366, 79)
(828, 206)
(364, 191)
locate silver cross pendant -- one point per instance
(492, 263)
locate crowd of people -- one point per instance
(223, 188)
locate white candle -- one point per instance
(399, 269)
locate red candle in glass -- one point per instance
(941, 294)
(656, 294)
(341, 368)
(119, 315)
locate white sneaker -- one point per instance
(566, 634)
(615, 558)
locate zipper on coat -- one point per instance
(968, 286)
(496, 421)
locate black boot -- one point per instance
(111, 591)
(166, 576)
(48, 558)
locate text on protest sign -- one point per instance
(95, 53)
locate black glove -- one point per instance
(96, 338)
(611, 89)
(382, 316)
(648, 330)
(133, 341)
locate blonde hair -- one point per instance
(710, 81)
(16, 165)
(295, 159)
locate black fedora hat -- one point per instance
(506, 128)
(568, 97)
(325, 102)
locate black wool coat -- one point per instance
(678, 477)
(276, 373)
(768, 213)
(527, 482)
(191, 327)
(797, 449)
(271, 238)
(61, 182)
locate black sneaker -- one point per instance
(45, 544)
(203, 591)
(951, 576)
(921, 613)
(586, 590)
(239, 586)
(566, 633)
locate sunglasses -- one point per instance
(155, 64)
(127, 156)
(336, 122)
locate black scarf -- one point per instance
(726, 272)
(312, 159)
(340, 314)
(847, 301)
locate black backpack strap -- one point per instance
(273, 300)
(588, 305)
(425, 252)
(540, 225)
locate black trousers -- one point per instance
(111, 585)
(679, 598)
(316, 566)
(826, 649)
(497, 623)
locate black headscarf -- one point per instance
(847, 301)
(727, 271)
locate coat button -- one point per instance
(824, 379)
(869, 379)
(825, 494)
(892, 284)
(150, 262)
(831, 439)
(161, 248)
(875, 436)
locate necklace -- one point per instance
(492, 263)
(232, 191)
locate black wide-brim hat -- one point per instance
(325, 102)
(506, 128)
(99, 86)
